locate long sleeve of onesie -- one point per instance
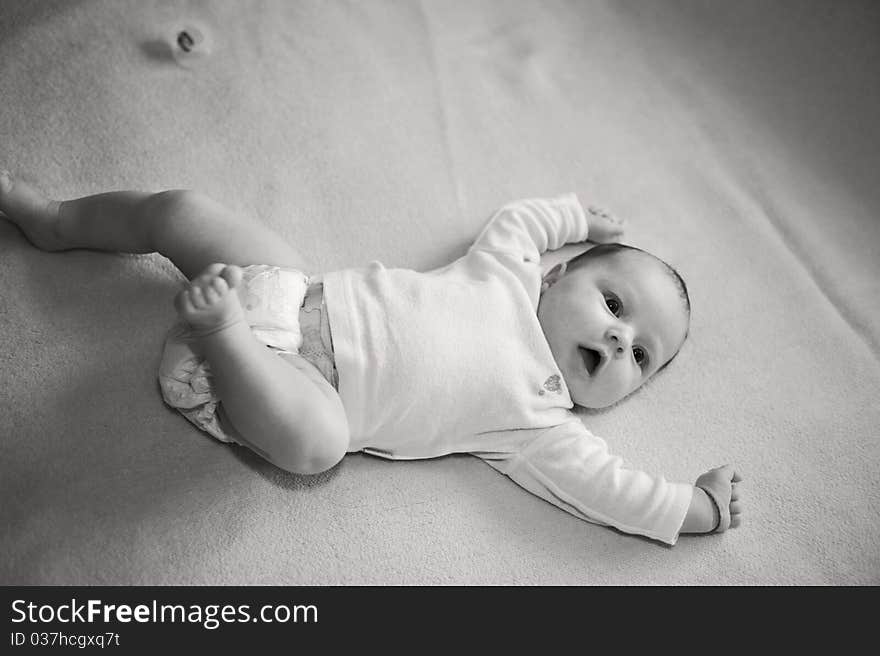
(528, 228)
(571, 468)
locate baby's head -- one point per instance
(613, 316)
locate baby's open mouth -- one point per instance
(591, 358)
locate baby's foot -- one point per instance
(209, 303)
(33, 213)
(604, 226)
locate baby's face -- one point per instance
(611, 323)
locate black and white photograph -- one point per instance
(436, 293)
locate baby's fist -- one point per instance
(720, 484)
(604, 226)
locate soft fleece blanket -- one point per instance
(739, 139)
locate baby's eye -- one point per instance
(640, 355)
(613, 304)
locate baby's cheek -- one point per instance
(622, 382)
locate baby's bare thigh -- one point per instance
(312, 373)
(195, 231)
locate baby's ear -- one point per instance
(553, 275)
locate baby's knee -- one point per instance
(174, 210)
(317, 444)
(177, 203)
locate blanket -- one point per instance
(738, 139)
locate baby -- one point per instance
(487, 355)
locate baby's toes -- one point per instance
(215, 290)
(210, 272)
(211, 295)
(232, 276)
(207, 275)
(183, 302)
(219, 287)
(197, 297)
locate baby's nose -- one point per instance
(617, 342)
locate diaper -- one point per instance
(284, 309)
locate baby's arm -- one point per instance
(572, 469)
(528, 228)
(716, 504)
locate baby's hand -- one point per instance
(720, 485)
(604, 226)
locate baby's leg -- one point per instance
(188, 228)
(283, 409)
